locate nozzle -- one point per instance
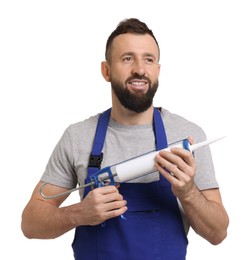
(193, 147)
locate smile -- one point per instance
(137, 83)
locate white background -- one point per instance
(50, 54)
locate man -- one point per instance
(146, 218)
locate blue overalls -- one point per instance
(153, 229)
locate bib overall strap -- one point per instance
(96, 154)
(160, 138)
(160, 134)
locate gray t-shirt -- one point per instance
(68, 163)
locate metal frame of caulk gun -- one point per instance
(125, 171)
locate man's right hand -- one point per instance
(101, 204)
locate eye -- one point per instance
(128, 59)
(149, 60)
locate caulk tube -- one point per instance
(142, 165)
(145, 164)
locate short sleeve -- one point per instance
(60, 168)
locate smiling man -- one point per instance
(159, 207)
(133, 70)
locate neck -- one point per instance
(128, 117)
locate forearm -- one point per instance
(44, 221)
(207, 217)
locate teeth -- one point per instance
(138, 83)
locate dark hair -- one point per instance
(131, 25)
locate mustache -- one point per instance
(139, 77)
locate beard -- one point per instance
(138, 102)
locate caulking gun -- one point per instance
(127, 170)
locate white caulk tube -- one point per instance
(145, 164)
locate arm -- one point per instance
(206, 214)
(203, 209)
(45, 219)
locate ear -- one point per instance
(159, 67)
(105, 70)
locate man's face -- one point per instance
(134, 70)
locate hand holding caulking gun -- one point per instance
(127, 170)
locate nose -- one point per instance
(138, 68)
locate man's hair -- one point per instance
(131, 25)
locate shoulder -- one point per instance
(175, 118)
(181, 127)
(80, 132)
(86, 125)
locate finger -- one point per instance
(191, 140)
(170, 168)
(169, 176)
(110, 197)
(115, 213)
(185, 156)
(173, 165)
(115, 205)
(170, 160)
(107, 189)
